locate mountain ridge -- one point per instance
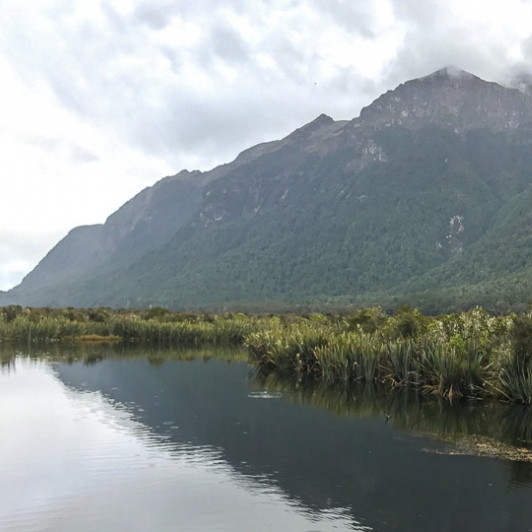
(388, 207)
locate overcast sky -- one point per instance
(100, 99)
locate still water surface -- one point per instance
(129, 444)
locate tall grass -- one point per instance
(42, 326)
(457, 356)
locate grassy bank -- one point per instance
(467, 355)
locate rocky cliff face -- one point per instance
(389, 203)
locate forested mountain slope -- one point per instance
(424, 198)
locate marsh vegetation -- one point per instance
(470, 355)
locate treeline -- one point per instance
(468, 355)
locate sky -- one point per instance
(100, 99)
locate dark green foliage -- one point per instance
(368, 320)
(337, 236)
(410, 322)
(156, 312)
(11, 312)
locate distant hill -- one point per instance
(425, 198)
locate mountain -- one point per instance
(422, 199)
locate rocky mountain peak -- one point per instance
(453, 98)
(450, 73)
(311, 136)
(318, 125)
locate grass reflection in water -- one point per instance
(487, 428)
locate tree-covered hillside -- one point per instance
(424, 199)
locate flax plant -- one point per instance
(515, 377)
(401, 363)
(453, 373)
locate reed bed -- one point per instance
(467, 355)
(52, 325)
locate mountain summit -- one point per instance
(422, 199)
(450, 97)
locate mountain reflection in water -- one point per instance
(324, 458)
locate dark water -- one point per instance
(133, 444)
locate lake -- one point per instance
(150, 443)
